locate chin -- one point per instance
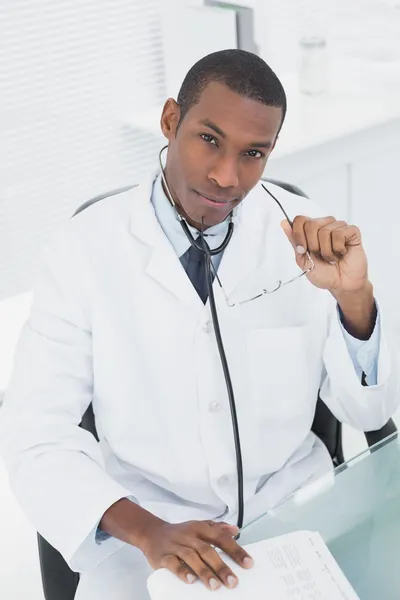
(212, 219)
(195, 214)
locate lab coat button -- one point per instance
(214, 406)
(223, 481)
(207, 327)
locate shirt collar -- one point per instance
(169, 223)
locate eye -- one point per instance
(210, 139)
(255, 154)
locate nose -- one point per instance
(224, 172)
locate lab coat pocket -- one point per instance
(279, 369)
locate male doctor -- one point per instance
(120, 321)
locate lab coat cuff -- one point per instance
(366, 408)
(364, 353)
(91, 552)
(101, 536)
(339, 363)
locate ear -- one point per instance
(170, 118)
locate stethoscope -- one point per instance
(208, 253)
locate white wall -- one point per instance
(366, 29)
(73, 70)
(69, 72)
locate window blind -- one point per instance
(70, 72)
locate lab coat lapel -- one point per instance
(245, 254)
(160, 260)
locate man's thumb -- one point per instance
(301, 259)
(288, 231)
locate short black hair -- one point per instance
(242, 72)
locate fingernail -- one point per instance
(214, 584)
(191, 578)
(248, 562)
(332, 262)
(300, 250)
(231, 581)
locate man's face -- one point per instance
(218, 153)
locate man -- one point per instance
(117, 321)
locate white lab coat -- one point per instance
(116, 321)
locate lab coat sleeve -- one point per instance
(364, 353)
(367, 408)
(56, 468)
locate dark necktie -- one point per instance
(194, 262)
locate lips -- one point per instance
(214, 200)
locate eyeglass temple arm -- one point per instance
(279, 204)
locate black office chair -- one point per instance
(60, 583)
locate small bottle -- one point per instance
(314, 65)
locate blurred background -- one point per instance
(82, 87)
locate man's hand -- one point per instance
(340, 267)
(336, 248)
(187, 549)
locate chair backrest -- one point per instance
(60, 583)
(88, 203)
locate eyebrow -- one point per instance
(219, 131)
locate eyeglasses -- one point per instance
(277, 285)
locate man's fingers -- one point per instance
(339, 241)
(331, 248)
(312, 228)
(214, 560)
(221, 538)
(323, 237)
(199, 567)
(188, 551)
(231, 529)
(305, 233)
(300, 242)
(236, 552)
(176, 566)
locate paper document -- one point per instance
(295, 566)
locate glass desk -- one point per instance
(357, 511)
